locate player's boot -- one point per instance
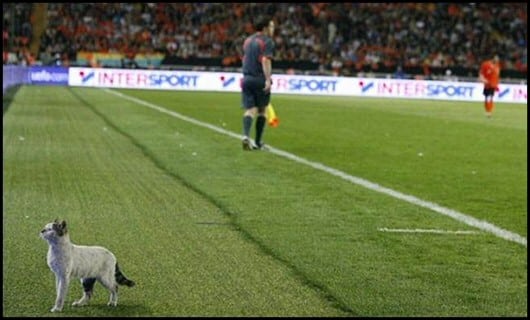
(247, 144)
(260, 146)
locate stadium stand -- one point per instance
(424, 40)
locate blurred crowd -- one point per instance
(17, 32)
(337, 36)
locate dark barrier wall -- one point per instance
(14, 75)
(18, 75)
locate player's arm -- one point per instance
(482, 78)
(266, 64)
(481, 75)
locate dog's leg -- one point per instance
(110, 283)
(61, 286)
(88, 287)
(113, 301)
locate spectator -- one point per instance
(399, 74)
(363, 36)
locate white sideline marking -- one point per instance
(469, 220)
(428, 231)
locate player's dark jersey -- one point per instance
(255, 48)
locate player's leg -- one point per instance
(261, 120)
(249, 105)
(488, 108)
(488, 95)
(248, 118)
(490, 104)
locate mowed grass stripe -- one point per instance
(469, 163)
(454, 214)
(181, 249)
(324, 227)
(321, 290)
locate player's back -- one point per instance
(254, 49)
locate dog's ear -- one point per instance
(63, 227)
(60, 227)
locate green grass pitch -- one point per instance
(206, 229)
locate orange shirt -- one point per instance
(491, 71)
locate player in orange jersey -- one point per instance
(489, 74)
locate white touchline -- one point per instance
(469, 220)
(427, 231)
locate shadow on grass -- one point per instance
(103, 310)
(7, 97)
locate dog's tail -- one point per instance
(121, 279)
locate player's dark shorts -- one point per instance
(488, 92)
(252, 93)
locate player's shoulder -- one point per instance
(269, 40)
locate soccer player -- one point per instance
(258, 50)
(489, 74)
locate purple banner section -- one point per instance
(14, 75)
(48, 76)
